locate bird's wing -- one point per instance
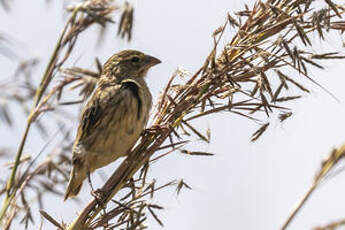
(106, 99)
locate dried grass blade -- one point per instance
(51, 219)
(259, 132)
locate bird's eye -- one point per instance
(135, 59)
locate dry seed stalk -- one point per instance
(261, 47)
(84, 15)
(238, 80)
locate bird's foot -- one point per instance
(99, 195)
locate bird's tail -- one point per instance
(75, 182)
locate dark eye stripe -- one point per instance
(135, 59)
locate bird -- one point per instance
(114, 116)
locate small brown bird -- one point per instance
(114, 116)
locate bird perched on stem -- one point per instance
(114, 116)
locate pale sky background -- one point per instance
(245, 185)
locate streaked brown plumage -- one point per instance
(113, 117)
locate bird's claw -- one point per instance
(98, 194)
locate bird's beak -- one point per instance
(151, 61)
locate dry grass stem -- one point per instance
(327, 166)
(332, 226)
(82, 16)
(237, 80)
(256, 75)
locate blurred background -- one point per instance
(245, 185)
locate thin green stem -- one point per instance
(10, 189)
(47, 76)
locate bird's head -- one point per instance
(129, 63)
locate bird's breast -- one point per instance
(120, 130)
